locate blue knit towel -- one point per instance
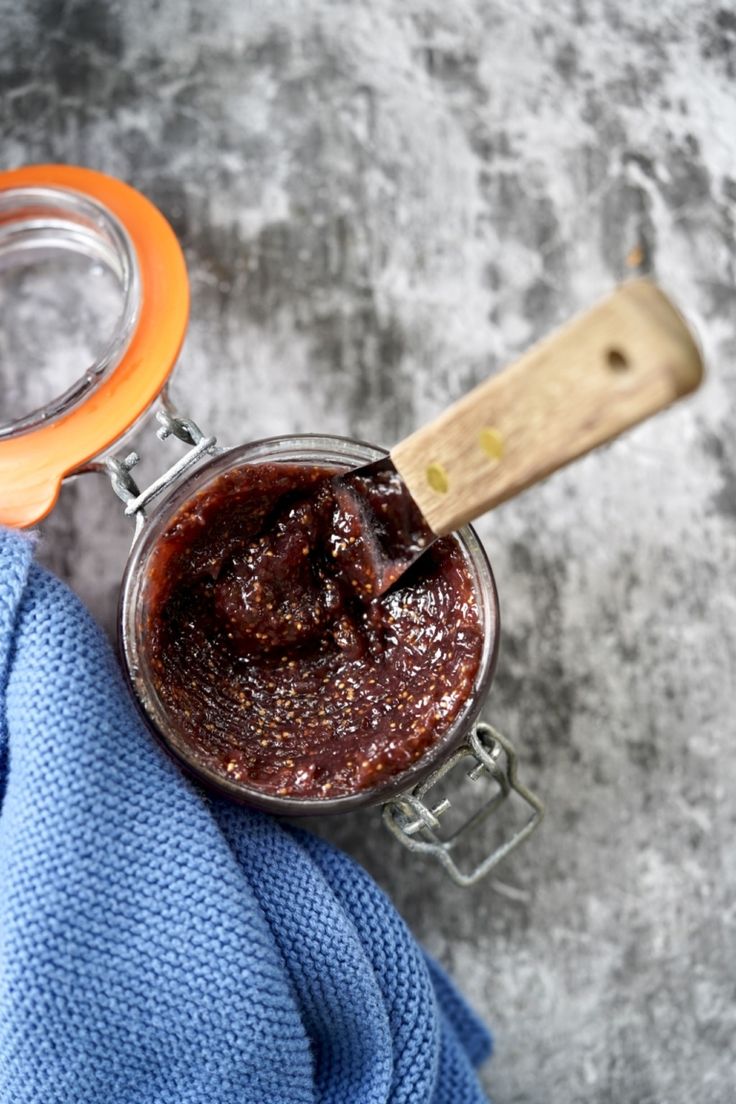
(159, 947)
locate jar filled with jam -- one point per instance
(260, 668)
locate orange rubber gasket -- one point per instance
(33, 464)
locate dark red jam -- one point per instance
(271, 666)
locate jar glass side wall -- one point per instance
(335, 451)
(70, 290)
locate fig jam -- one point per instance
(272, 667)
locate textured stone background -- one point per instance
(381, 203)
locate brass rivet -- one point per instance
(437, 478)
(616, 360)
(491, 441)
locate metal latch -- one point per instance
(415, 821)
(171, 424)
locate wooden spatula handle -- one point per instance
(608, 369)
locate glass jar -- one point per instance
(336, 452)
(52, 210)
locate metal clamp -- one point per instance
(415, 821)
(171, 424)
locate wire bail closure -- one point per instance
(170, 425)
(414, 821)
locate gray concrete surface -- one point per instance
(380, 204)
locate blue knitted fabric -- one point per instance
(157, 946)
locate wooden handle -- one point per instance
(622, 361)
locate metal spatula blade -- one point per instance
(378, 529)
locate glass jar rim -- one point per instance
(295, 448)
